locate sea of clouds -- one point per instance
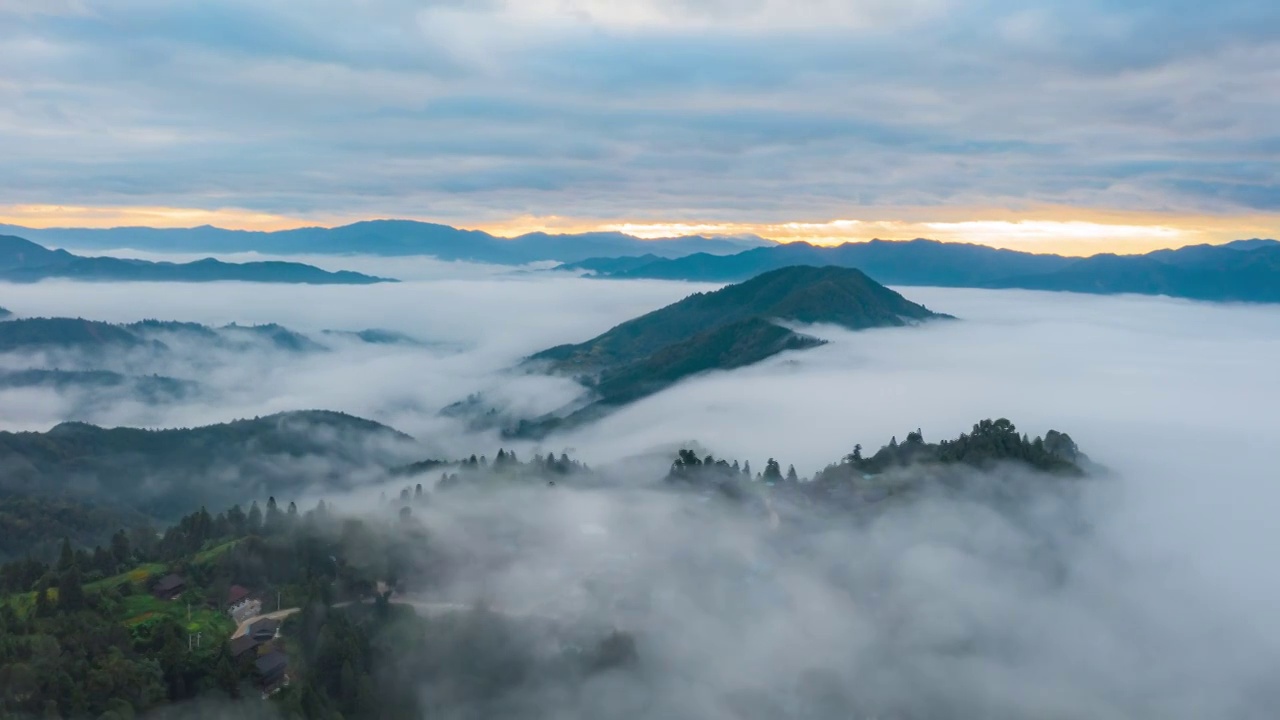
(1164, 609)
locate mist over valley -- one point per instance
(644, 360)
(779, 539)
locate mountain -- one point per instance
(389, 237)
(43, 334)
(24, 261)
(1243, 272)
(804, 294)
(1246, 270)
(376, 336)
(732, 327)
(164, 473)
(912, 262)
(36, 334)
(150, 389)
(5, 313)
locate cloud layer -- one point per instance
(1163, 606)
(672, 110)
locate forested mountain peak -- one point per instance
(732, 327)
(804, 294)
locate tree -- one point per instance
(70, 590)
(348, 685)
(271, 523)
(791, 474)
(255, 518)
(772, 471)
(66, 557)
(43, 607)
(746, 468)
(120, 547)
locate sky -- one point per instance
(1067, 125)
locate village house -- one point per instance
(264, 630)
(241, 646)
(273, 672)
(237, 596)
(169, 587)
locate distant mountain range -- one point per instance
(1246, 270)
(36, 334)
(733, 327)
(117, 361)
(388, 237)
(150, 389)
(24, 261)
(164, 473)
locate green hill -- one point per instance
(730, 328)
(60, 333)
(805, 294)
(65, 333)
(144, 388)
(166, 472)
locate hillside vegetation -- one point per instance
(733, 327)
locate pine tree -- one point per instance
(272, 521)
(66, 557)
(791, 474)
(120, 548)
(772, 471)
(43, 607)
(255, 518)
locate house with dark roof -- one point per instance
(237, 596)
(243, 645)
(264, 630)
(272, 670)
(169, 587)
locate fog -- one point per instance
(940, 608)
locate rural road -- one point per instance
(421, 606)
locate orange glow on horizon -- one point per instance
(1063, 230)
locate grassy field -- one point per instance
(207, 556)
(141, 607)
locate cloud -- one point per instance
(1138, 595)
(682, 111)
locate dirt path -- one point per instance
(277, 615)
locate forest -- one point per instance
(306, 608)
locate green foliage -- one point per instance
(161, 472)
(842, 296)
(730, 328)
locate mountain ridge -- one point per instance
(161, 471)
(732, 327)
(389, 237)
(1244, 270)
(24, 261)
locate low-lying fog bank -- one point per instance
(1161, 607)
